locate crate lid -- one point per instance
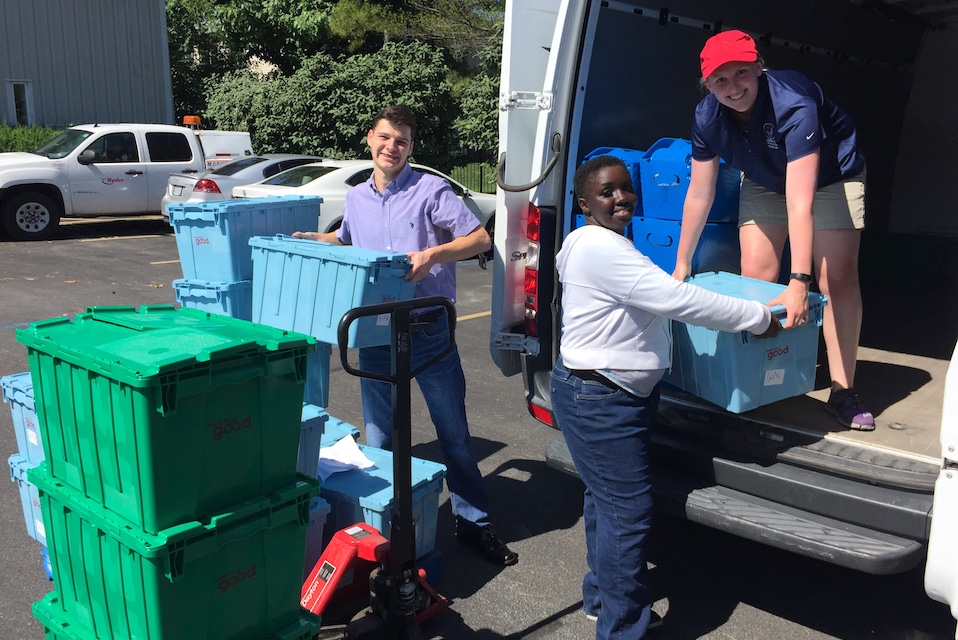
(373, 487)
(18, 387)
(737, 286)
(215, 208)
(289, 504)
(19, 465)
(137, 345)
(188, 284)
(345, 254)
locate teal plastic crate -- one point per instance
(233, 299)
(665, 173)
(165, 416)
(737, 371)
(57, 625)
(308, 286)
(312, 428)
(238, 575)
(212, 238)
(366, 495)
(318, 513)
(29, 497)
(717, 250)
(317, 375)
(336, 430)
(18, 393)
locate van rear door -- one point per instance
(941, 570)
(536, 33)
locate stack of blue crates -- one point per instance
(212, 239)
(18, 393)
(661, 178)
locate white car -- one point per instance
(218, 183)
(331, 179)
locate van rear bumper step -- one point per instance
(773, 524)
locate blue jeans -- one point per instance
(443, 386)
(607, 431)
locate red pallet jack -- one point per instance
(399, 596)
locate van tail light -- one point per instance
(206, 185)
(540, 414)
(531, 287)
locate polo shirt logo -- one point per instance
(770, 136)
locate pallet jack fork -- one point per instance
(399, 596)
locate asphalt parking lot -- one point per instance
(707, 584)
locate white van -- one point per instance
(581, 75)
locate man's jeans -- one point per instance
(443, 386)
(606, 430)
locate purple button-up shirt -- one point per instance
(417, 211)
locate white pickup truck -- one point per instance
(100, 169)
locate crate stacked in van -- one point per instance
(169, 493)
(212, 239)
(660, 176)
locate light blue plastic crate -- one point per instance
(317, 375)
(18, 392)
(212, 238)
(311, 433)
(318, 513)
(737, 371)
(366, 495)
(307, 286)
(29, 497)
(336, 430)
(233, 299)
(717, 250)
(665, 171)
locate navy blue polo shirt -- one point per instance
(791, 118)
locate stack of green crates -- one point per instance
(169, 493)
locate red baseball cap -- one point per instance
(727, 46)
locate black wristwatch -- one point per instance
(801, 277)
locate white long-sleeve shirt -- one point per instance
(616, 305)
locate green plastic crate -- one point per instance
(238, 576)
(165, 416)
(57, 625)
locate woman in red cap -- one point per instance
(798, 152)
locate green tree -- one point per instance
(326, 106)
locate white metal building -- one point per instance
(67, 62)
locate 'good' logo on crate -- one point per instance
(777, 351)
(201, 240)
(230, 425)
(235, 577)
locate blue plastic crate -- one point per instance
(318, 513)
(18, 392)
(366, 495)
(29, 497)
(317, 375)
(666, 169)
(212, 238)
(311, 433)
(717, 250)
(233, 299)
(737, 371)
(45, 562)
(308, 286)
(336, 430)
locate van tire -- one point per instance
(30, 216)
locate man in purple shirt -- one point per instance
(403, 211)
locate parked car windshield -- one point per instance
(300, 175)
(63, 143)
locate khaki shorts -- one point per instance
(837, 206)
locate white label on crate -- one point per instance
(382, 320)
(774, 377)
(38, 525)
(32, 437)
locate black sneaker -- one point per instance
(845, 405)
(489, 545)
